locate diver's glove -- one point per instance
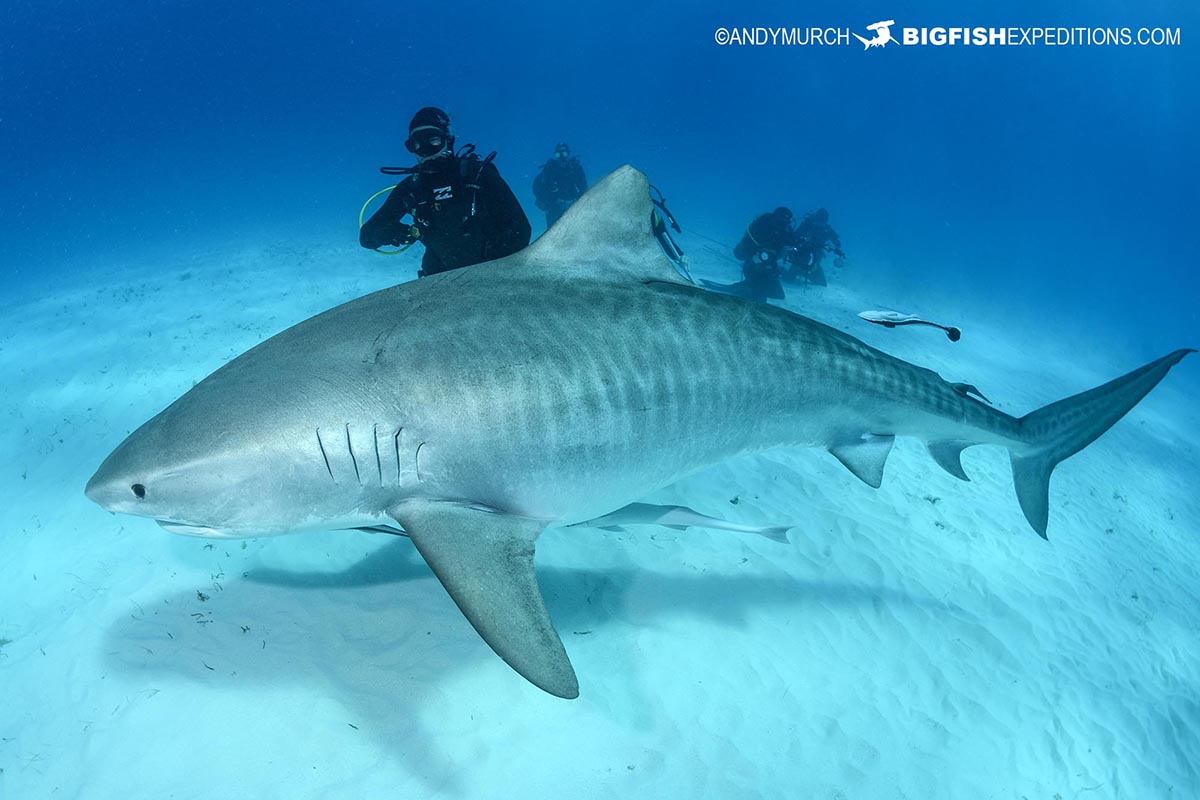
(412, 235)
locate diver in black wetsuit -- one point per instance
(767, 239)
(814, 238)
(462, 210)
(560, 183)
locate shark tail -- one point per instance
(1060, 430)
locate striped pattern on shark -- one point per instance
(474, 408)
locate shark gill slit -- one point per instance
(378, 461)
(396, 442)
(353, 460)
(417, 460)
(324, 456)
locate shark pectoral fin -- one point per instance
(948, 456)
(865, 457)
(485, 561)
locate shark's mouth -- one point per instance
(185, 529)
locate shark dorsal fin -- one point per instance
(606, 233)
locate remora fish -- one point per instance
(892, 319)
(476, 407)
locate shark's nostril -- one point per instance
(139, 491)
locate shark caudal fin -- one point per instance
(1062, 429)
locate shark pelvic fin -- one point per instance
(485, 561)
(606, 233)
(948, 456)
(865, 457)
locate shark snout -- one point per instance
(115, 492)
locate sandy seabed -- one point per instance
(916, 641)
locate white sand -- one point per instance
(919, 641)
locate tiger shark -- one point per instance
(473, 409)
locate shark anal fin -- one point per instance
(485, 561)
(865, 457)
(948, 456)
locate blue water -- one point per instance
(1057, 176)
(1057, 186)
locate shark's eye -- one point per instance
(139, 491)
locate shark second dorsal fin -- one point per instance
(606, 233)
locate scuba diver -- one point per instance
(462, 210)
(560, 183)
(814, 238)
(768, 239)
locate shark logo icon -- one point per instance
(883, 34)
